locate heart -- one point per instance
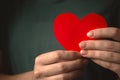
(69, 30)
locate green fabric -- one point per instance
(31, 32)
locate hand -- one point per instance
(103, 51)
(59, 65)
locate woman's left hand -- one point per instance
(103, 51)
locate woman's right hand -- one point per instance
(59, 65)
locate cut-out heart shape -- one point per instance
(69, 30)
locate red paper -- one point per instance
(69, 30)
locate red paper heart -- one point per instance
(69, 30)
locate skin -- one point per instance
(22, 76)
(68, 65)
(54, 65)
(59, 65)
(104, 52)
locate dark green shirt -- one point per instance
(30, 31)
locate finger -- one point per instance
(104, 45)
(108, 65)
(66, 76)
(63, 67)
(56, 56)
(102, 55)
(110, 32)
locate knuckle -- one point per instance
(78, 61)
(109, 65)
(111, 56)
(97, 44)
(115, 32)
(108, 57)
(116, 69)
(98, 32)
(37, 74)
(59, 54)
(94, 43)
(74, 55)
(96, 54)
(109, 45)
(37, 60)
(62, 67)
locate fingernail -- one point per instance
(83, 52)
(82, 45)
(90, 34)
